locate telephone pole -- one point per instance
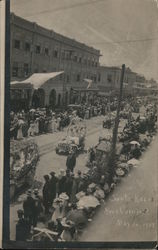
(115, 131)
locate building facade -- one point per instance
(35, 49)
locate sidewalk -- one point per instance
(130, 213)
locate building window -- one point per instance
(99, 77)
(38, 49)
(75, 58)
(96, 64)
(46, 51)
(27, 47)
(63, 55)
(15, 69)
(78, 77)
(17, 44)
(55, 53)
(109, 78)
(80, 60)
(67, 78)
(85, 61)
(26, 69)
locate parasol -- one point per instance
(124, 166)
(135, 143)
(64, 196)
(99, 194)
(88, 201)
(120, 172)
(32, 110)
(133, 162)
(80, 195)
(77, 216)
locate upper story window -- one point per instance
(26, 69)
(99, 77)
(63, 54)
(67, 78)
(80, 59)
(55, 53)
(38, 49)
(17, 44)
(46, 51)
(96, 64)
(75, 58)
(109, 78)
(85, 61)
(78, 77)
(27, 46)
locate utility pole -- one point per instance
(112, 159)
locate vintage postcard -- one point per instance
(80, 124)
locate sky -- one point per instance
(125, 31)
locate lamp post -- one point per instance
(112, 157)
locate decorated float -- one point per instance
(75, 138)
(24, 156)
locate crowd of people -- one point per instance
(44, 120)
(61, 193)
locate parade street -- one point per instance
(50, 161)
(130, 213)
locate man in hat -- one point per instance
(22, 227)
(68, 183)
(71, 161)
(53, 186)
(29, 208)
(46, 194)
(38, 207)
(61, 182)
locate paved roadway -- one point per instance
(50, 161)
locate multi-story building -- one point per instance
(110, 78)
(35, 49)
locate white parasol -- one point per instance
(133, 162)
(135, 143)
(88, 201)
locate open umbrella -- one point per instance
(120, 172)
(78, 217)
(123, 166)
(135, 143)
(133, 162)
(88, 201)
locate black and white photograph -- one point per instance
(83, 142)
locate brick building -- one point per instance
(35, 49)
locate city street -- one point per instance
(50, 161)
(129, 209)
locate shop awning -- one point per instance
(38, 79)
